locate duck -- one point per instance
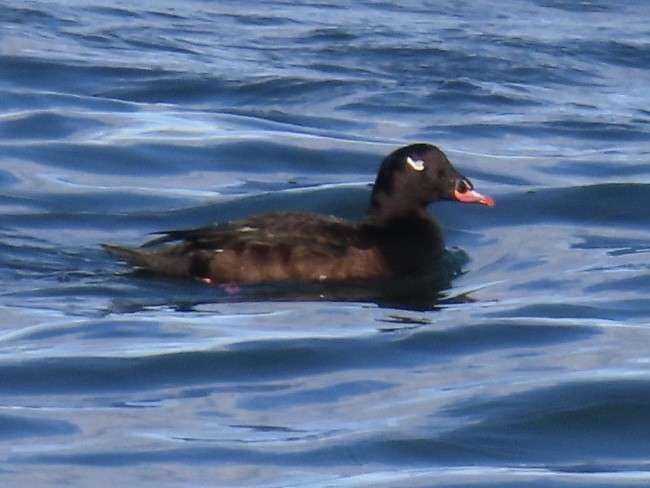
(396, 237)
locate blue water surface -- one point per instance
(520, 361)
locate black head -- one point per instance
(414, 176)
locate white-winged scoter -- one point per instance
(397, 236)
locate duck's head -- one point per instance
(414, 176)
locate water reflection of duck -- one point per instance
(397, 236)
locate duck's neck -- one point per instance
(386, 208)
(407, 238)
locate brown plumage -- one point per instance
(397, 236)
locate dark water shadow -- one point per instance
(22, 426)
(559, 423)
(421, 291)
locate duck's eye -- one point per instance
(417, 164)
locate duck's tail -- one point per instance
(154, 261)
(131, 256)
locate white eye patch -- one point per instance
(417, 165)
